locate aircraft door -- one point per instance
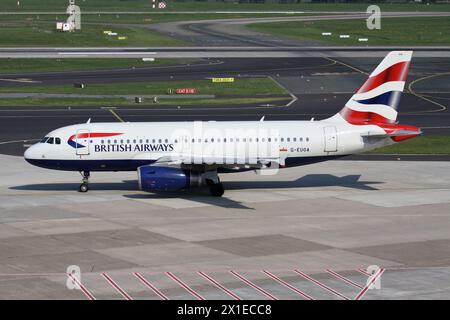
(82, 140)
(330, 134)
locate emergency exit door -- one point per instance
(330, 139)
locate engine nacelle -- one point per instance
(157, 179)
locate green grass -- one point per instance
(241, 86)
(139, 5)
(418, 145)
(117, 102)
(51, 65)
(394, 31)
(45, 34)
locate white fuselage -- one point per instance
(126, 146)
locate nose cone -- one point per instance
(32, 153)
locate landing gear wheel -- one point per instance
(83, 187)
(216, 189)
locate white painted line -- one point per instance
(350, 282)
(287, 285)
(375, 277)
(218, 285)
(20, 80)
(104, 53)
(184, 285)
(17, 141)
(294, 98)
(320, 284)
(89, 295)
(363, 39)
(344, 36)
(254, 286)
(116, 286)
(150, 286)
(326, 33)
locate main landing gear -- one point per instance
(215, 187)
(84, 186)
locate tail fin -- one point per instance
(376, 101)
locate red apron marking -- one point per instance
(254, 286)
(150, 286)
(185, 286)
(364, 272)
(218, 285)
(320, 284)
(116, 286)
(284, 283)
(374, 278)
(350, 282)
(82, 287)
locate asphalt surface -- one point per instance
(233, 32)
(265, 50)
(338, 216)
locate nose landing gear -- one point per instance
(84, 186)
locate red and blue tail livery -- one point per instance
(377, 100)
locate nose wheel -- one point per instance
(84, 186)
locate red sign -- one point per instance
(186, 91)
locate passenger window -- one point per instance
(301, 139)
(295, 139)
(282, 139)
(50, 140)
(288, 139)
(57, 140)
(307, 139)
(166, 141)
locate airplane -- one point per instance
(174, 156)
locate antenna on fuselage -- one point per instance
(262, 119)
(89, 121)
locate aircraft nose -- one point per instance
(31, 153)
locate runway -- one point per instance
(221, 52)
(338, 216)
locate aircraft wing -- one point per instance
(208, 161)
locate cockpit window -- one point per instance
(50, 140)
(57, 141)
(44, 140)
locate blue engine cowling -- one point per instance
(154, 179)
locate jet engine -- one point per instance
(160, 179)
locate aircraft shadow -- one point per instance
(202, 195)
(310, 180)
(197, 195)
